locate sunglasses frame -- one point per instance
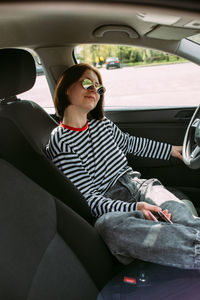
(100, 89)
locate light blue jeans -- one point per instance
(128, 235)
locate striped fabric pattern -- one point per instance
(94, 158)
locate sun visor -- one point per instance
(171, 33)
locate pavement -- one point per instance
(160, 85)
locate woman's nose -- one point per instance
(93, 88)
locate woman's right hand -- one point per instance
(146, 209)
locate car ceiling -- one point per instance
(53, 29)
(47, 24)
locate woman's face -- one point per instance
(84, 100)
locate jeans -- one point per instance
(128, 235)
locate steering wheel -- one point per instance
(191, 144)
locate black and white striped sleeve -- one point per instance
(71, 166)
(140, 146)
(100, 205)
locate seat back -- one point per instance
(25, 129)
(47, 251)
(17, 72)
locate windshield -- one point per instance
(142, 77)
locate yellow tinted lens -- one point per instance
(87, 84)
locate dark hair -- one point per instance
(70, 76)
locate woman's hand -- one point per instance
(177, 152)
(147, 210)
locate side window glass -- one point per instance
(139, 77)
(40, 92)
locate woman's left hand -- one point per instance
(177, 152)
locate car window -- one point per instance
(141, 77)
(40, 92)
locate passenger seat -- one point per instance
(47, 251)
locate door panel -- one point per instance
(167, 125)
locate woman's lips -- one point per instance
(91, 97)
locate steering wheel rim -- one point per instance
(191, 144)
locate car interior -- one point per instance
(50, 248)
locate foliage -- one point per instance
(128, 55)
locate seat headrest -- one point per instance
(17, 72)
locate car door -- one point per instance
(167, 125)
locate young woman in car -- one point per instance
(91, 151)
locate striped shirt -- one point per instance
(94, 157)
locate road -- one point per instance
(175, 84)
(171, 85)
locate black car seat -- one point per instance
(47, 251)
(25, 129)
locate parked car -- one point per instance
(50, 248)
(112, 62)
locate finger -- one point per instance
(178, 154)
(153, 208)
(181, 156)
(169, 216)
(147, 214)
(152, 217)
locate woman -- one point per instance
(91, 151)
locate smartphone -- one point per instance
(163, 217)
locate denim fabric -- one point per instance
(128, 235)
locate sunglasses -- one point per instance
(87, 84)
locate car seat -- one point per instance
(25, 129)
(47, 250)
